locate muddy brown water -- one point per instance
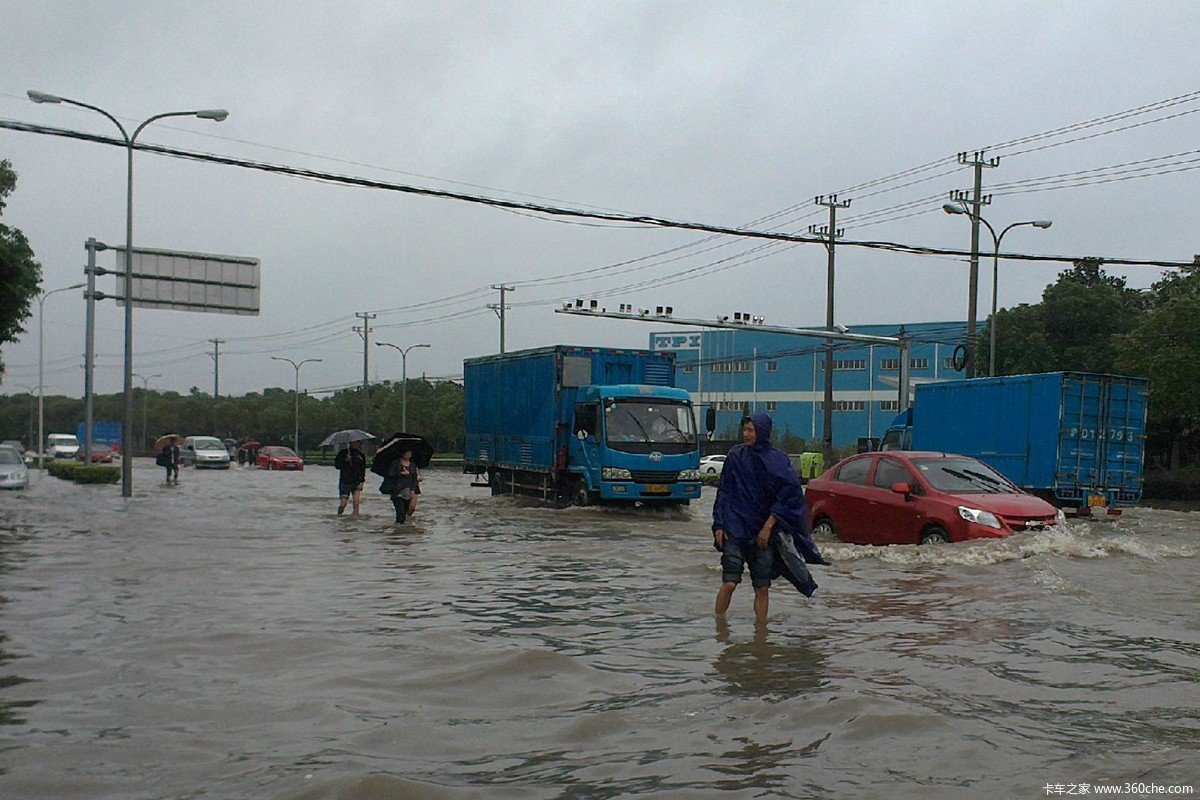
(233, 638)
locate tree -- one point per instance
(20, 274)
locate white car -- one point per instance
(203, 452)
(61, 445)
(711, 465)
(13, 472)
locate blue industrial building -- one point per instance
(784, 375)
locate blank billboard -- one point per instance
(191, 281)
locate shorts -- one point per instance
(735, 554)
(346, 489)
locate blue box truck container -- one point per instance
(1075, 438)
(581, 425)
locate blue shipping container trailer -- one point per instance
(581, 425)
(1077, 439)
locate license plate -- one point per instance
(658, 488)
(1097, 501)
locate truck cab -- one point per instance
(633, 443)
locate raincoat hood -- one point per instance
(762, 427)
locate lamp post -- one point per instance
(951, 208)
(403, 378)
(215, 114)
(145, 379)
(42, 367)
(296, 366)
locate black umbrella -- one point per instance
(346, 437)
(396, 444)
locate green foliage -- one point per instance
(82, 473)
(20, 274)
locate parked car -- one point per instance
(276, 457)
(711, 465)
(14, 444)
(61, 445)
(13, 472)
(203, 452)
(101, 454)
(921, 498)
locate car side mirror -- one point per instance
(902, 488)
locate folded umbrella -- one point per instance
(396, 444)
(339, 438)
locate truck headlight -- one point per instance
(616, 474)
(979, 517)
(689, 475)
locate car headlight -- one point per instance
(689, 475)
(616, 474)
(1060, 517)
(979, 517)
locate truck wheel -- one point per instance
(496, 481)
(583, 497)
(935, 536)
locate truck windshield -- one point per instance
(639, 426)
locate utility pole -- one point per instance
(365, 333)
(500, 309)
(829, 233)
(216, 357)
(976, 201)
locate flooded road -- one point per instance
(232, 638)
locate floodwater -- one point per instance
(233, 638)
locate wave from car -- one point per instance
(901, 497)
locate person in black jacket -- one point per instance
(351, 464)
(406, 487)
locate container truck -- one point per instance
(1076, 439)
(582, 425)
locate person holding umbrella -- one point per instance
(397, 461)
(351, 465)
(168, 455)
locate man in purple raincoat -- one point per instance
(760, 520)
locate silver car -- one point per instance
(203, 452)
(13, 472)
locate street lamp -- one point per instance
(296, 427)
(42, 365)
(145, 379)
(404, 378)
(951, 208)
(215, 114)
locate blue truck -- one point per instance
(1075, 439)
(581, 425)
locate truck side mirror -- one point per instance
(710, 420)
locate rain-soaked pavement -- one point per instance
(233, 638)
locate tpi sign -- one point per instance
(675, 341)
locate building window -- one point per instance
(771, 405)
(729, 405)
(918, 363)
(889, 405)
(846, 365)
(689, 368)
(893, 364)
(948, 363)
(847, 405)
(772, 366)
(730, 366)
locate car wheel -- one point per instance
(271, 465)
(824, 528)
(935, 536)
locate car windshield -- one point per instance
(639, 426)
(963, 476)
(208, 444)
(64, 441)
(9, 456)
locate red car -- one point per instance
(101, 454)
(275, 457)
(902, 497)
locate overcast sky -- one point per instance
(723, 113)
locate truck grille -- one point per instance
(654, 476)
